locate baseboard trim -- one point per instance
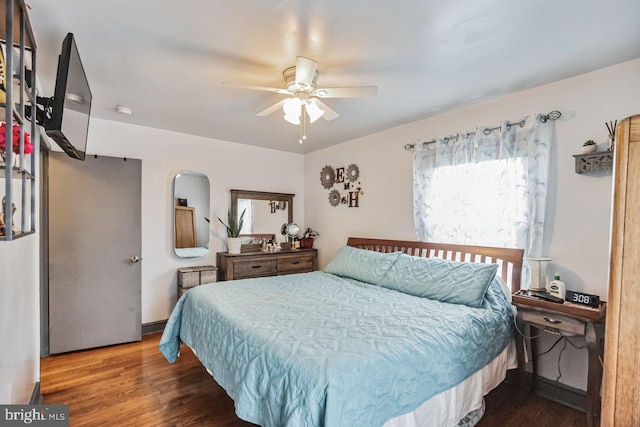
(561, 393)
(153, 327)
(36, 397)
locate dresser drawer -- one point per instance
(554, 321)
(258, 264)
(295, 264)
(254, 268)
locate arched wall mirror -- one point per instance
(191, 214)
(264, 216)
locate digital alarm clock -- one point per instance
(582, 298)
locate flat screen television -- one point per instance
(68, 122)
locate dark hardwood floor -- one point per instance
(503, 410)
(133, 385)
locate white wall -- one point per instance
(164, 154)
(19, 318)
(579, 206)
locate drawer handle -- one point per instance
(295, 262)
(554, 321)
(256, 266)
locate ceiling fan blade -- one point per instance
(329, 114)
(275, 107)
(305, 70)
(264, 88)
(347, 92)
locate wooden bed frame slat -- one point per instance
(505, 268)
(509, 260)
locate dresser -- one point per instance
(257, 264)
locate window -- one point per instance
(484, 188)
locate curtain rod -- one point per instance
(553, 115)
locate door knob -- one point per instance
(135, 259)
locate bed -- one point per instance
(322, 348)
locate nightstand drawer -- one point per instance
(295, 264)
(554, 321)
(254, 268)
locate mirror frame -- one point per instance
(185, 173)
(261, 195)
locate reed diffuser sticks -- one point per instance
(611, 127)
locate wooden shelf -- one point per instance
(602, 160)
(17, 235)
(16, 173)
(582, 311)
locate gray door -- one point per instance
(94, 239)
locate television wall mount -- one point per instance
(43, 110)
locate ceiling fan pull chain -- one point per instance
(303, 126)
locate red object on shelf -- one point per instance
(306, 243)
(28, 146)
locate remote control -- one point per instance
(546, 297)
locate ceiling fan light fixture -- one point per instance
(301, 85)
(292, 106)
(313, 111)
(293, 119)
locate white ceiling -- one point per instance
(166, 59)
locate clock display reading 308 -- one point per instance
(582, 298)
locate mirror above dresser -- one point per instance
(264, 216)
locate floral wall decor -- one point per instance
(343, 184)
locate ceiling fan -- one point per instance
(300, 84)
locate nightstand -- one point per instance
(536, 316)
(189, 277)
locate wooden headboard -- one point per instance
(509, 260)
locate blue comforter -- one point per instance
(315, 349)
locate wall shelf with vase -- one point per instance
(601, 160)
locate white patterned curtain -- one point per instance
(487, 188)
